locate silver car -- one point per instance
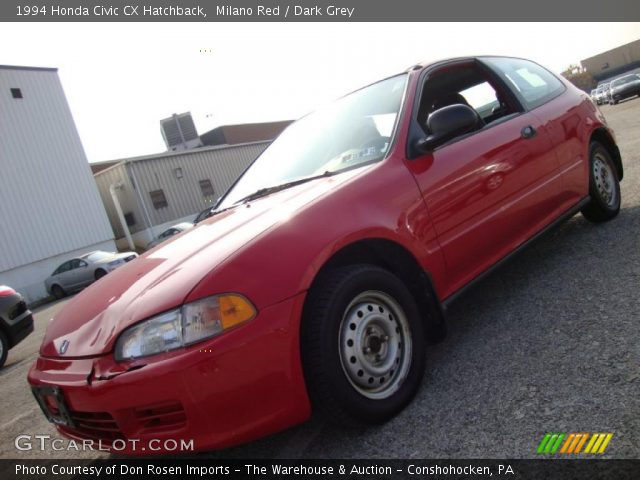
(82, 271)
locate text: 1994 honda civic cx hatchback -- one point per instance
(325, 269)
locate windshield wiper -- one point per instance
(276, 188)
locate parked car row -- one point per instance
(613, 91)
(322, 274)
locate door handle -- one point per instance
(528, 132)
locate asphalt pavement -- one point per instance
(548, 343)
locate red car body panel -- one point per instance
(457, 211)
(251, 385)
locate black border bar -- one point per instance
(317, 11)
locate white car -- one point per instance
(79, 272)
(170, 232)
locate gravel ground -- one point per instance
(549, 342)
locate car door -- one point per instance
(560, 116)
(77, 274)
(487, 191)
(84, 274)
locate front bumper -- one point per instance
(240, 386)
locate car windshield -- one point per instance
(352, 131)
(621, 81)
(97, 256)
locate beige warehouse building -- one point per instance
(157, 191)
(613, 62)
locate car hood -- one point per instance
(161, 279)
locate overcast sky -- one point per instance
(121, 79)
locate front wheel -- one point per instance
(604, 187)
(57, 292)
(363, 345)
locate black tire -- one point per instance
(99, 274)
(57, 292)
(604, 186)
(332, 305)
(4, 348)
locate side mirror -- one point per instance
(446, 123)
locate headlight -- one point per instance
(115, 263)
(193, 322)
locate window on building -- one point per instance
(130, 219)
(16, 93)
(158, 199)
(207, 188)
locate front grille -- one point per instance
(95, 426)
(18, 309)
(161, 417)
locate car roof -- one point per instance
(430, 63)
(625, 76)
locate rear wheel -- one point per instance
(363, 345)
(4, 348)
(604, 187)
(57, 291)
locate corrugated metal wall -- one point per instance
(220, 165)
(49, 203)
(126, 196)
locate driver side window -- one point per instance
(466, 85)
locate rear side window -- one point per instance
(65, 267)
(532, 83)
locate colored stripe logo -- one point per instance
(573, 443)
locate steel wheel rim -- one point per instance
(375, 344)
(604, 179)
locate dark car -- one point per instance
(16, 321)
(625, 87)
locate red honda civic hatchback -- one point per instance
(325, 270)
